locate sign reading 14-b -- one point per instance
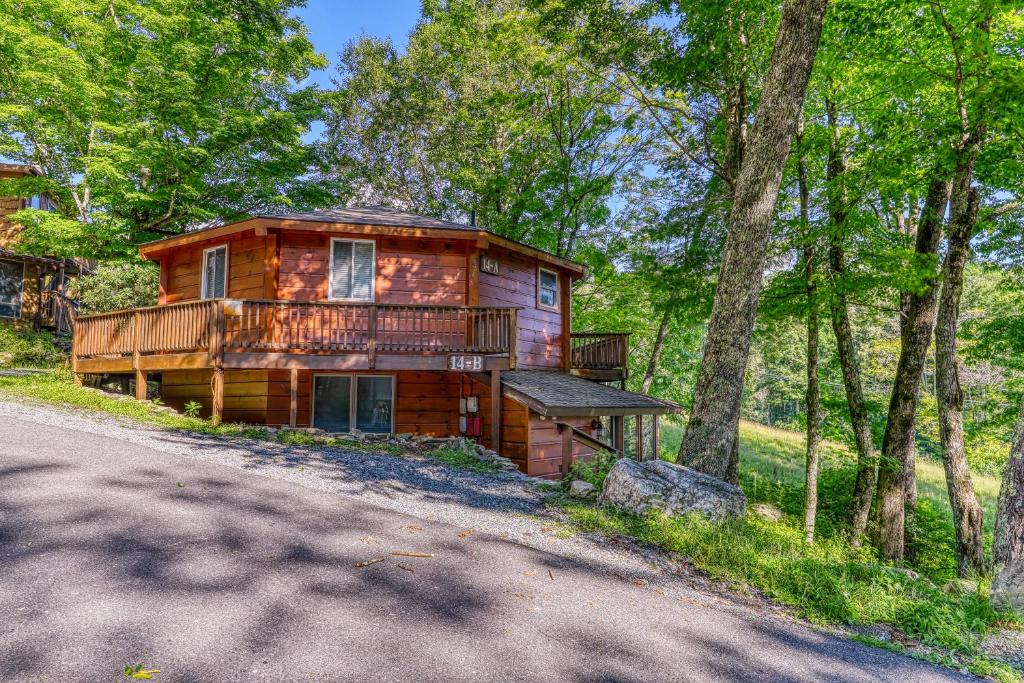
(461, 363)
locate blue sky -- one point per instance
(332, 23)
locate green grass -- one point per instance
(57, 389)
(465, 459)
(829, 582)
(21, 347)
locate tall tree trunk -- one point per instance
(659, 344)
(714, 420)
(967, 514)
(1008, 544)
(813, 387)
(846, 346)
(898, 442)
(867, 461)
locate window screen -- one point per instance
(352, 270)
(332, 396)
(11, 283)
(373, 404)
(548, 290)
(214, 272)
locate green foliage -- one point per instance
(464, 458)
(192, 408)
(593, 470)
(138, 672)
(21, 347)
(117, 285)
(148, 118)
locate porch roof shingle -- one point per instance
(553, 393)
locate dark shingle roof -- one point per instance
(554, 393)
(372, 215)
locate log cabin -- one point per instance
(376, 320)
(31, 287)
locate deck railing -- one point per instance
(228, 325)
(598, 350)
(56, 310)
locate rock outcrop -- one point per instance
(673, 489)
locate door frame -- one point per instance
(354, 383)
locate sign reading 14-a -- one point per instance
(460, 363)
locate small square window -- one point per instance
(547, 289)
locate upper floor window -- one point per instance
(352, 270)
(215, 272)
(547, 289)
(38, 201)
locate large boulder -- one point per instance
(673, 489)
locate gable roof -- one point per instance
(553, 393)
(367, 220)
(371, 215)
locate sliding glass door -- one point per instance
(365, 402)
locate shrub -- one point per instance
(118, 285)
(192, 408)
(22, 347)
(593, 469)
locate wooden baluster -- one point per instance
(371, 344)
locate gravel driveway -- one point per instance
(219, 561)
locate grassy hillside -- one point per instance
(829, 582)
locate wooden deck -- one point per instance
(247, 334)
(600, 356)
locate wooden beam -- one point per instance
(565, 292)
(619, 432)
(496, 411)
(174, 361)
(140, 385)
(165, 278)
(99, 366)
(472, 277)
(656, 431)
(371, 337)
(217, 387)
(639, 438)
(566, 435)
(272, 265)
(293, 398)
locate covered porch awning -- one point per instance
(552, 393)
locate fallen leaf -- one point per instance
(406, 568)
(467, 532)
(412, 528)
(367, 563)
(368, 540)
(530, 572)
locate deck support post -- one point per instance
(656, 433)
(496, 410)
(639, 438)
(619, 433)
(140, 385)
(566, 435)
(293, 399)
(217, 385)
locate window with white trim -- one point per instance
(547, 289)
(352, 270)
(215, 272)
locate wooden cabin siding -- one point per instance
(181, 269)
(546, 445)
(407, 271)
(541, 332)
(245, 393)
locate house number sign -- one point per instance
(459, 363)
(488, 264)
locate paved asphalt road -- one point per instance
(112, 553)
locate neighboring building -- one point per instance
(31, 287)
(375, 320)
